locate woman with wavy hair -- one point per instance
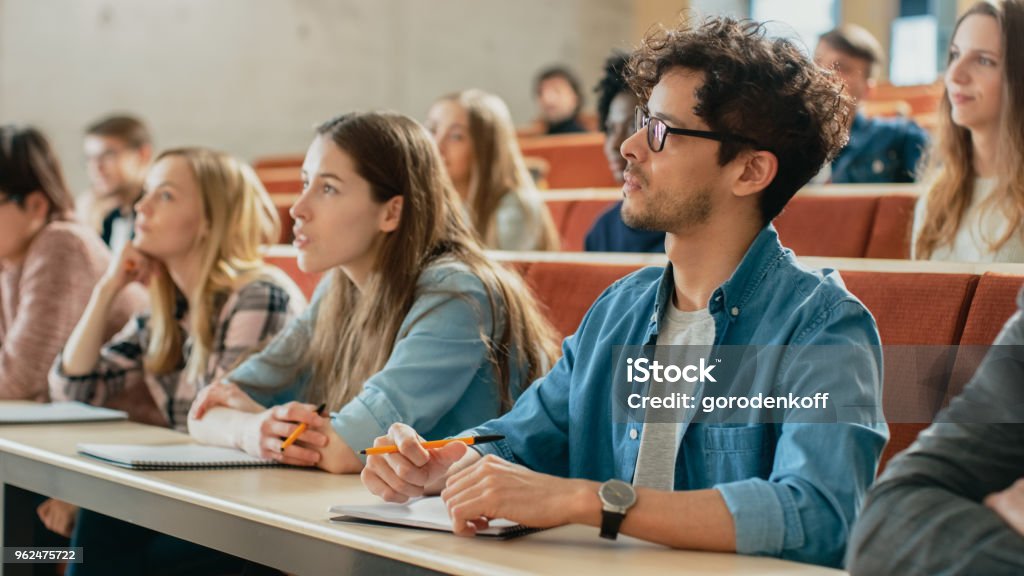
(975, 205)
(412, 322)
(198, 232)
(474, 132)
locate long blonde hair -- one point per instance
(498, 167)
(239, 217)
(950, 166)
(355, 330)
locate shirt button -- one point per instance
(735, 311)
(632, 434)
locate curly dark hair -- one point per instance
(611, 84)
(764, 89)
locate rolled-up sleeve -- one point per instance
(821, 471)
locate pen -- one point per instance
(435, 444)
(298, 431)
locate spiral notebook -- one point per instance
(172, 456)
(425, 514)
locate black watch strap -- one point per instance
(610, 522)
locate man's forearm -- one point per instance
(692, 520)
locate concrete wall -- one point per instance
(252, 76)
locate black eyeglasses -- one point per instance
(657, 131)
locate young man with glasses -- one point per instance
(880, 150)
(118, 150)
(732, 125)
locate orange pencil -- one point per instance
(470, 440)
(298, 431)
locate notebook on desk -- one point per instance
(58, 412)
(425, 513)
(172, 456)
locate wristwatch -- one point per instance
(617, 497)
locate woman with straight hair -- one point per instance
(477, 140)
(412, 323)
(200, 225)
(975, 204)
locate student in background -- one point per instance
(412, 323)
(953, 503)
(732, 124)
(880, 149)
(975, 203)
(616, 103)
(474, 132)
(49, 264)
(560, 100)
(200, 225)
(118, 150)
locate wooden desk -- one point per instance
(279, 517)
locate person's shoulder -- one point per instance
(265, 293)
(896, 126)
(68, 239)
(817, 288)
(449, 274)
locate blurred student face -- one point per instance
(617, 127)
(448, 123)
(19, 224)
(169, 217)
(974, 77)
(337, 220)
(112, 165)
(855, 72)
(672, 190)
(557, 99)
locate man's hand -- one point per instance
(413, 470)
(494, 488)
(1009, 504)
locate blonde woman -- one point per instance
(975, 206)
(474, 132)
(413, 322)
(198, 232)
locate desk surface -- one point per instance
(297, 500)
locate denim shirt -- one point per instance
(880, 150)
(438, 379)
(793, 489)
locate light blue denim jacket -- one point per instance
(438, 379)
(793, 489)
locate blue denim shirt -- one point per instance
(438, 379)
(880, 150)
(793, 489)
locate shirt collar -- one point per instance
(762, 255)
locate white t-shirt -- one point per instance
(980, 226)
(659, 444)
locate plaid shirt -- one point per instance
(248, 319)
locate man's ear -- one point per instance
(145, 154)
(871, 85)
(392, 214)
(759, 169)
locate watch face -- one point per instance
(617, 493)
